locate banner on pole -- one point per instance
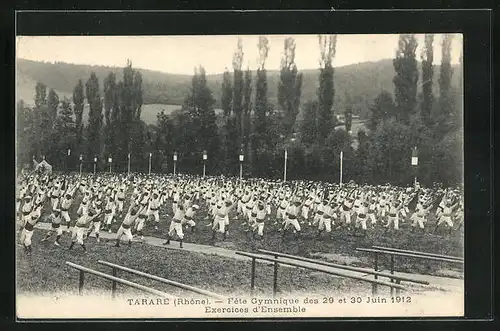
(414, 157)
(69, 152)
(110, 160)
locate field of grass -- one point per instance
(45, 270)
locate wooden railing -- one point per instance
(115, 280)
(393, 278)
(376, 250)
(116, 267)
(276, 261)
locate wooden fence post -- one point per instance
(113, 286)
(81, 281)
(252, 279)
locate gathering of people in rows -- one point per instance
(86, 204)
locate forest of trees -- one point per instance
(250, 124)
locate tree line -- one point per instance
(259, 130)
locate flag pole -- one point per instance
(128, 165)
(341, 165)
(150, 163)
(284, 170)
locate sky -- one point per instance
(181, 54)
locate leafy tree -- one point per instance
(363, 168)
(26, 134)
(308, 124)
(227, 94)
(383, 108)
(64, 137)
(201, 128)
(390, 152)
(337, 141)
(165, 139)
(427, 78)
(53, 104)
(289, 86)
(348, 113)
(406, 78)
(326, 90)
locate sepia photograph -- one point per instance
(239, 176)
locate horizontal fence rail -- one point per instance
(458, 259)
(276, 262)
(116, 267)
(115, 280)
(341, 266)
(394, 253)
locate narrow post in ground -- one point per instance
(81, 281)
(275, 279)
(113, 286)
(252, 279)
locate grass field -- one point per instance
(45, 270)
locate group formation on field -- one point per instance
(136, 201)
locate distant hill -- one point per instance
(362, 81)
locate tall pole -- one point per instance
(242, 156)
(81, 158)
(205, 157)
(150, 154)
(284, 170)
(241, 166)
(95, 162)
(67, 159)
(175, 162)
(128, 166)
(110, 160)
(414, 163)
(341, 164)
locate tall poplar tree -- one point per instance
(53, 152)
(289, 86)
(110, 104)
(259, 143)
(228, 132)
(406, 78)
(95, 119)
(247, 116)
(326, 90)
(445, 74)
(238, 91)
(42, 120)
(78, 105)
(427, 57)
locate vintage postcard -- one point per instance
(239, 176)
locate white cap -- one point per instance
(196, 207)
